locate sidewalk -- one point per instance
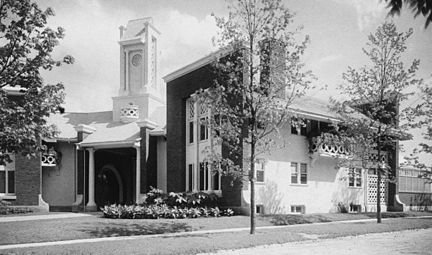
(42, 217)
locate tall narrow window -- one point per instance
(189, 178)
(259, 169)
(203, 129)
(303, 173)
(294, 173)
(203, 178)
(216, 181)
(191, 131)
(7, 179)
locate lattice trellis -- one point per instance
(203, 109)
(374, 157)
(130, 112)
(190, 109)
(372, 188)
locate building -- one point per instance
(102, 157)
(147, 141)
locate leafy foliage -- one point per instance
(420, 116)
(181, 199)
(370, 113)
(25, 100)
(258, 76)
(423, 7)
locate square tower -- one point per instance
(140, 93)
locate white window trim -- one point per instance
(260, 162)
(298, 183)
(9, 167)
(354, 176)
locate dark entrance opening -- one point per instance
(109, 187)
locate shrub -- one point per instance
(156, 211)
(181, 199)
(342, 208)
(6, 208)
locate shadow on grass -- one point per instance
(289, 219)
(137, 229)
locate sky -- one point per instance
(338, 30)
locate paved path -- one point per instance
(402, 242)
(42, 217)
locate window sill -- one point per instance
(7, 196)
(299, 185)
(260, 183)
(353, 187)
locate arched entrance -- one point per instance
(109, 186)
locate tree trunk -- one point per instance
(252, 190)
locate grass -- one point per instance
(191, 244)
(95, 226)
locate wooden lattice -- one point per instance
(372, 188)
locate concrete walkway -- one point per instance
(42, 217)
(400, 242)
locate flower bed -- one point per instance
(7, 208)
(170, 206)
(161, 211)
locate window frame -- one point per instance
(355, 174)
(295, 207)
(261, 163)
(299, 173)
(8, 168)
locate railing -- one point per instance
(329, 149)
(129, 113)
(49, 159)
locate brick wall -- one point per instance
(27, 180)
(178, 91)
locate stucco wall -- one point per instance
(58, 183)
(326, 186)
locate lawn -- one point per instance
(95, 226)
(192, 244)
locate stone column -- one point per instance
(138, 174)
(91, 179)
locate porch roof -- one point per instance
(106, 131)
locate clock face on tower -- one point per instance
(136, 59)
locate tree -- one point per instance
(418, 6)
(370, 112)
(420, 116)
(26, 47)
(257, 80)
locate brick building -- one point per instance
(153, 139)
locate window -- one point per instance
(259, 170)
(355, 177)
(189, 177)
(7, 179)
(191, 132)
(298, 173)
(298, 209)
(203, 176)
(294, 173)
(410, 180)
(203, 129)
(299, 127)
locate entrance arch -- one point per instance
(109, 186)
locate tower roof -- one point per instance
(135, 28)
